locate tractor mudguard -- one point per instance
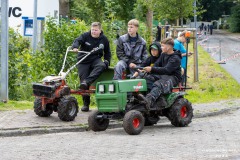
(172, 97)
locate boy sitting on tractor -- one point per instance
(131, 50)
(155, 52)
(165, 74)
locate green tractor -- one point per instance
(121, 99)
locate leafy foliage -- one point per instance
(58, 38)
(19, 56)
(235, 19)
(215, 9)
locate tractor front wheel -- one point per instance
(181, 113)
(67, 108)
(96, 123)
(133, 122)
(38, 108)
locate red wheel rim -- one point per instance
(136, 122)
(184, 112)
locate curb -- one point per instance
(13, 132)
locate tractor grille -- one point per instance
(42, 90)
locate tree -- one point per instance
(235, 19)
(215, 9)
(63, 7)
(174, 9)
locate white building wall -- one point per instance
(24, 8)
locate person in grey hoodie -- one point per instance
(131, 50)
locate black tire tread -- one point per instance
(38, 108)
(97, 124)
(174, 113)
(127, 122)
(63, 106)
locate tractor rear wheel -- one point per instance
(97, 124)
(133, 122)
(181, 113)
(38, 108)
(67, 108)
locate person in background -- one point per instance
(159, 32)
(91, 67)
(211, 29)
(167, 29)
(178, 45)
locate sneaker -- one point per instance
(84, 85)
(85, 108)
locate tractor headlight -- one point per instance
(111, 88)
(101, 88)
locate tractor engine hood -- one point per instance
(132, 85)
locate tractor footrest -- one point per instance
(42, 90)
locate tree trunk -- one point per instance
(182, 22)
(63, 8)
(149, 23)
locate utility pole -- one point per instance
(4, 50)
(35, 26)
(196, 49)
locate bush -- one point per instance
(235, 19)
(19, 62)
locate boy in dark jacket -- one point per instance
(166, 71)
(91, 67)
(155, 52)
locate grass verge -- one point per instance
(16, 105)
(214, 83)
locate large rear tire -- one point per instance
(38, 108)
(181, 113)
(67, 108)
(97, 124)
(133, 122)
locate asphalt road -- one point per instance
(205, 138)
(225, 46)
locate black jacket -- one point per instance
(128, 54)
(152, 59)
(168, 65)
(88, 43)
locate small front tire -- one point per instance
(133, 122)
(97, 124)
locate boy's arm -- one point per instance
(120, 51)
(107, 52)
(172, 65)
(145, 53)
(78, 41)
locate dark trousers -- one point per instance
(90, 72)
(163, 85)
(184, 77)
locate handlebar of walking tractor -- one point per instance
(63, 74)
(69, 49)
